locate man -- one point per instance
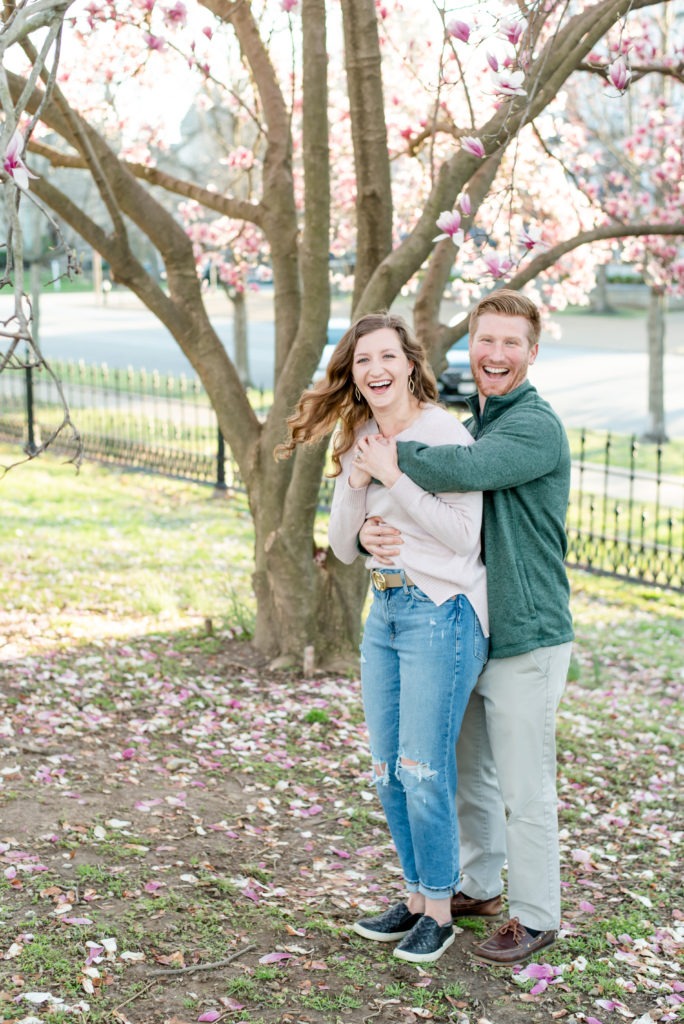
(507, 803)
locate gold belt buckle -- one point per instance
(378, 579)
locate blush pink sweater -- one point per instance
(440, 532)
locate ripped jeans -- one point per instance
(419, 664)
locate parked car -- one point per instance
(456, 382)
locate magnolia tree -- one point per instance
(22, 22)
(436, 152)
(633, 161)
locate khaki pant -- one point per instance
(506, 796)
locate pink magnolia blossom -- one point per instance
(619, 74)
(176, 15)
(529, 238)
(493, 61)
(512, 30)
(449, 223)
(465, 204)
(288, 5)
(472, 146)
(157, 43)
(459, 30)
(13, 163)
(509, 83)
(496, 265)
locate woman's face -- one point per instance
(381, 369)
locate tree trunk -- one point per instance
(656, 367)
(240, 346)
(599, 296)
(305, 596)
(314, 603)
(369, 131)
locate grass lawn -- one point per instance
(187, 835)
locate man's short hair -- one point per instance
(507, 302)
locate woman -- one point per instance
(424, 642)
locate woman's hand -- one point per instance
(358, 477)
(377, 455)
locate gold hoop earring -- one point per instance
(357, 393)
(411, 385)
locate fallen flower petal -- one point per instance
(275, 958)
(231, 1004)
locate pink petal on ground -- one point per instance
(231, 1004)
(275, 958)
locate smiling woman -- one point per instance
(428, 619)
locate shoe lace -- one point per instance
(515, 928)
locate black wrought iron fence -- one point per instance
(626, 513)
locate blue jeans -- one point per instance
(419, 664)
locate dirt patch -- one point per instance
(194, 834)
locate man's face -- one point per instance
(500, 354)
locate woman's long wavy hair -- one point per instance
(334, 400)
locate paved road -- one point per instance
(595, 373)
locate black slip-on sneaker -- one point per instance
(426, 942)
(391, 926)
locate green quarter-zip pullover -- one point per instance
(521, 461)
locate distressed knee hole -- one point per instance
(380, 773)
(414, 771)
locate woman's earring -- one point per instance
(411, 385)
(357, 393)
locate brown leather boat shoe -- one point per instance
(465, 906)
(512, 943)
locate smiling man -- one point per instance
(507, 803)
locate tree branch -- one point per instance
(547, 259)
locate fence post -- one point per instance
(220, 484)
(31, 448)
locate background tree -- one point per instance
(632, 157)
(432, 119)
(20, 22)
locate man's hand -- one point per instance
(380, 540)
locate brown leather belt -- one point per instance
(382, 580)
